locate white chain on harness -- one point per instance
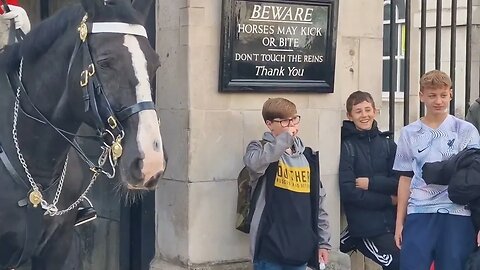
(50, 209)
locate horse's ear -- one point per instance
(143, 6)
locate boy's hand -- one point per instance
(478, 239)
(394, 199)
(361, 183)
(292, 130)
(323, 255)
(398, 235)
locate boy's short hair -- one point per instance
(435, 79)
(278, 108)
(358, 97)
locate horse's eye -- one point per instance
(105, 62)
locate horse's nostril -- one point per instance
(136, 168)
(151, 183)
(159, 175)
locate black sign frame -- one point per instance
(227, 81)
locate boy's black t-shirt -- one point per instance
(287, 233)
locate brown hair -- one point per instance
(278, 108)
(358, 97)
(435, 79)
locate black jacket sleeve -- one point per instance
(386, 184)
(436, 173)
(350, 194)
(464, 187)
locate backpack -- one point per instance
(246, 199)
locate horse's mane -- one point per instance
(43, 36)
(48, 31)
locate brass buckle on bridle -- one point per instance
(112, 122)
(89, 72)
(84, 80)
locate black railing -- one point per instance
(423, 46)
(44, 9)
(468, 56)
(438, 35)
(423, 53)
(391, 71)
(453, 48)
(406, 73)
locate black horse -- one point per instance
(89, 63)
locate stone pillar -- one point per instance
(205, 132)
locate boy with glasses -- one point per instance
(289, 227)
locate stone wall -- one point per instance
(206, 131)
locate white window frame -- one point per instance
(399, 54)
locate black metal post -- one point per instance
(438, 35)
(392, 81)
(44, 9)
(406, 69)
(468, 56)
(423, 45)
(125, 238)
(453, 53)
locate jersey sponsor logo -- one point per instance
(296, 179)
(421, 150)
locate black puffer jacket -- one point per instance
(461, 173)
(368, 154)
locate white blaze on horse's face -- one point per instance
(148, 133)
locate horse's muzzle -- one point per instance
(139, 179)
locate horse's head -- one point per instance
(124, 66)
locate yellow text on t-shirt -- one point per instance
(296, 179)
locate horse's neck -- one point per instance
(45, 76)
(43, 147)
(44, 150)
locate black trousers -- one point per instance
(381, 249)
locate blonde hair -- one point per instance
(278, 108)
(435, 79)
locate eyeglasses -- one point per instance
(286, 122)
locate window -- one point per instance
(398, 46)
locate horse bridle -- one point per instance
(107, 122)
